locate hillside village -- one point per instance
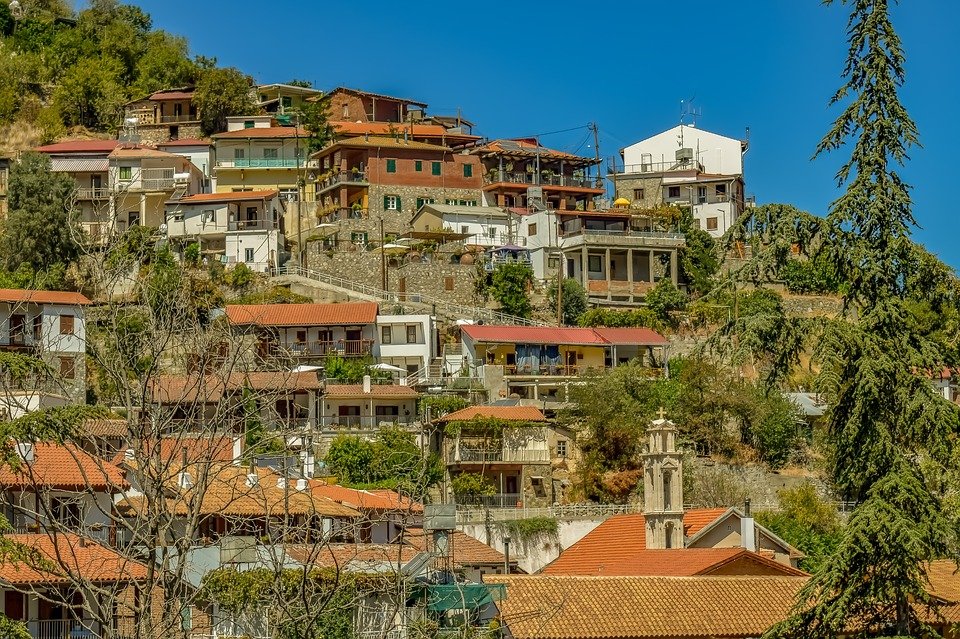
(286, 361)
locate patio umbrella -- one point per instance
(394, 249)
(388, 367)
(304, 368)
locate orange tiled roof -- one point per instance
(617, 540)
(376, 390)
(237, 196)
(382, 142)
(528, 147)
(678, 562)
(467, 551)
(566, 336)
(345, 314)
(60, 556)
(548, 607)
(261, 132)
(141, 152)
(945, 585)
(174, 389)
(65, 467)
(104, 428)
(364, 500)
(24, 296)
(168, 450)
(510, 413)
(80, 146)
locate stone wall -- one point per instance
(156, 133)
(410, 194)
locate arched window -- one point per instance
(669, 533)
(667, 490)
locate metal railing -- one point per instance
(93, 193)
(467, 513)
(549, 370)
(173, 119)
(653, 235)
(316, 348)
(365, 421)
(502, 500)
(545, 180)
(506, 454)
(261, 163)
(662, 167)
(454, 310)
(253, 225)
(343, 177)
(63, 629)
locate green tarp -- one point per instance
(441, 598)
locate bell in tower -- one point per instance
(662, 486)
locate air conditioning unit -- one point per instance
(181, 178)
(684, 155)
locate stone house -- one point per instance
(354, 105)
(169, 114)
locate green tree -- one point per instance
(698, 261)
(40, 229)
(573, 301)
(510, 286)
(222, 93)
(91, 94)
(10, 629)
(350, 459)
(314, 119)
(807, 522)
(884, 415)
(664, 299)
(164, 63)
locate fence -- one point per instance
(469, 513)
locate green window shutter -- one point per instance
(385, 202)
(418, 165)
(420, 203)
(399, 205)
(436, 168)
(391, 166)
(467, 170)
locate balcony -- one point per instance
(662, 167)
(503, 500)
(262, 163)
(253, 225)
(625, 239)
(96, 193)
(545, 180)
(341, 347)
(334, 422)
(354, 178)
(499, 455)
(63, 629)
(177, 119)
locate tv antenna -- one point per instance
(689, 112)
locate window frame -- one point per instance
(249, 255)
(68, 327)
(412, 327)
(391, 166)
(386, 334)
(436, 168)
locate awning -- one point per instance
(81, 165)
(443, 597)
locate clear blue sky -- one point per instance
(522, 68)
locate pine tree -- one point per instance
(886, 422)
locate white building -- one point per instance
(484, 225)
(686, 166)
(143, 179)
(406, 341)
(242, 227)
(198, 151)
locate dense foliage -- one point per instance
(510, 286)
(573, 300)
(391, 460)
(807, 522)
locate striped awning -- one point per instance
(79, 165)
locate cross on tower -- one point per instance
(662, 413)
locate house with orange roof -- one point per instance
(168, 114)
(523, 174)
(386, 515)
(142, 180)
(243, 227)
(537, 363)
(362, 409)
(46, 586)
(52, 326)
(307, 333)
(61, 488)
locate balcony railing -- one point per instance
(627, 233)
(472, 455)
(662, 167)
(253, 225)
(504, 500)
(545, 180)
(174, 119)
(334, 422)
(559, 370)
(93, 193)
(341, 347)
(343, 177)
(261, 163)
(63, 629)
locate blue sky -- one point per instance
(523, 68)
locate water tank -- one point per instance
(182, 178)
(684, 154)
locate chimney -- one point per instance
(281, 482)
(301, 484)
(748, 530)
(366, 384)
(26, 451)
(252, 477)
(128, 454)
(184, 479)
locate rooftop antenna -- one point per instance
(689, 112)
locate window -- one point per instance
(412, 334)
(673, 191)
(248, 124)
(531, 229)
(561, 448)
(126, 173)
(391, 202)
(638, 194)
(208, 216)
(720, 189)
(239, 154)
(248, 255)
(269, 154)
(711, 224)
(701, 195)
(418, 166)
(391, 166)
(68, 368)
(386, 335)
(594, 265)
(492, 232)
(464, 229)
(424, 200)
(435, 168)
(467, 170)
(346, 112)
(66, 324)
(448, 283)
(38, 328)
(387, 411)
(358, 237)
(286, 101)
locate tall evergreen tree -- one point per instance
(888, 428)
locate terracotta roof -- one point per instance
(528, 147)
(388, 128)
(229, 492)
(65, 467)
(377, 142)
(467, 551)
(184, 93)
(379, 96)
(172, 389)
(141, 152)
(569, 336)
(547, 607)
(510, 413)
(345, 314)
(365, 500)
(677, 562)
(80, 146)
(262, 132)
(186, 142)
(23, 296)
(169, 450)
(617, 540)
(237, 196)
(376, 390)
(60, 556)
(945, 584)
(104, 427)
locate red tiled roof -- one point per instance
(141, 152)
(376, 390)
(63, 466)
(678, 562)
(618, 539)
(264, 133)
(24, 296)
(174, 389)
(510, 413)
(64, 557)
(80, 146)
(172, 94)
(528, 147)
(571, 336)
(237, 196)
(364, 500)
(345, 314)
(168, 450)
(186, 142)
(387, 128)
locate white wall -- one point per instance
(399, 351)
(533, 556)
(198, 155)
(265, 244)
(50, 338)
(717, 153)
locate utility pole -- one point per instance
(300, 189)
(596, 152)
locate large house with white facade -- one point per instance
(242, 227)
(689, 167)
(406, 341)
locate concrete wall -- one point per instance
(537, 553)
(717, 153)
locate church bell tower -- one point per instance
(662, 486)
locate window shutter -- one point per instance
(386, 202)
(399, 205)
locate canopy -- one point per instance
(443, 597)
(394, 248)
(388, 367)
